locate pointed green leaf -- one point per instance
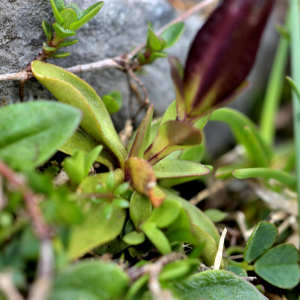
(293, 86)
(167, 141)
(201, 123)
(61, 32)
(283, 31)
(210, 249)
(57, 7)
(69, 16)
(81, 141)
(216, 284)
(177, 76)
(87, 15)
(157, 237)
(262, 238)
(48, 31)
(140, 209)
(42, 127)
(121, 189)
(60, 54)
(91, 157)
(155, 55)
(81, 281)
(283, 177)
(74, 166)
(134, 238)
(174, 168)
(237, 121)
(142, 136)
(172, 34)
(67, 43)
(279, 266)
(96, 122)
(153, 42)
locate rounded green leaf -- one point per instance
(262, 238)
(110, 103)
(41, 128)
(66, 43)
(140, 209)
(57, 7)
(60, 54)
(134, 238)
(279, 266)
(237, 270)
(81, 281)
(217, 285)
(69, 16)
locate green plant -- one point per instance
(163, 245)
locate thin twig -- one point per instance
(8, 288)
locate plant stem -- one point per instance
(274, 90)
(295, 67)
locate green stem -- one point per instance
(295, 67)
(274, 91)
(281, 176)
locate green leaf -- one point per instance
(165, 215)
(57, 7)
(181, 229)
(75, 8)
(42, 127)
(67, 43)
(178, 270)
(281, 176)
(122, 203)
(141, 139)
(174, 168)
(48, 31)
(157, 237)
(196, 215)
(172, 34)
(226, 171)
(46, 47)
(113, 101)
(166, 142)
(210, 249)
(61, 32)
(134, 238)
(81, 141)
(91, 157)
(155, 55)
(262, 238)
(75, 167)
(237, 121)
(293, 86)
(96, 122)
(153, 42)
(283, 31)
(96, 230)
(216, 284)
(140, 209)
(60, 54)
(237, 270)
(81, 281)
(279, 266)
(121, 189)
(69, 16)
(87, 15)
(216, 215)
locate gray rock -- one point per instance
(120, 26)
